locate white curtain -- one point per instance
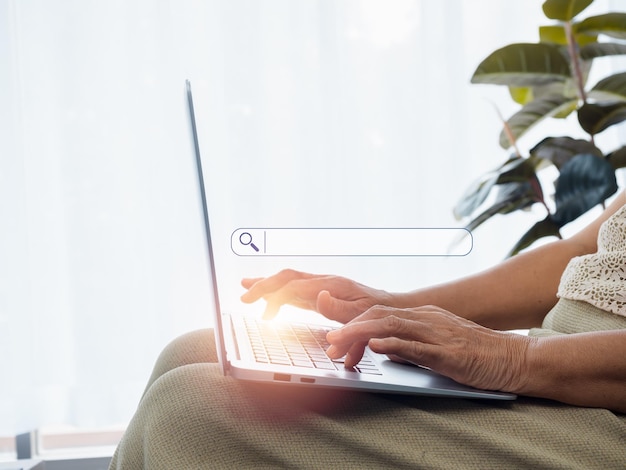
(314, 113)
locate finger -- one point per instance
(264, 286)
(299, 293)
(276, 300)
(352, 338)
(354, 354)
(376, 312)
(414, 352)
(248, 282)
(325, 302)
(271, 310)
(398, 359)
(336, 309)
(377, 322)
(341, 342)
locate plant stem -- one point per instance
(577, 73)
(507, 131)
(534, 183)
(572, 48)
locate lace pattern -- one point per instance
(600, 278)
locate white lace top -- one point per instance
(600, 278)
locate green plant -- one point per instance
(549, 80)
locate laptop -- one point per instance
(273, 351)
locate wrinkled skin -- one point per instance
(437, 339)
(427, 335)
(335, 297)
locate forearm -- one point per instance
(515, 294)
(586, 369)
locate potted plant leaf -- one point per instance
(549, 80)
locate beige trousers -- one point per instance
(192, 417)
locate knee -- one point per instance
(173, 421)
(191, 348)
(183, 388)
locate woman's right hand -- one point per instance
(335, 297)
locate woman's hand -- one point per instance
(435, 338)
(335, 297)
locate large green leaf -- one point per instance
(523, 65)
(514, 169)
(524, 95)
(521, 95)
(475, 195)
(553, 34)
(543, 228)
(519, 195)
(617, 159)
(534, 112)
(510, 197)
(601, 49)
(611, 24)
(556, 34)
(564, 10)
(560, 150)
(584, 182)
(594, 118)
(518, 170)
(611, 88)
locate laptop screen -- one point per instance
(219, 331)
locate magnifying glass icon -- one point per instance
(246, 239)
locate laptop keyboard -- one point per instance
(297, 345)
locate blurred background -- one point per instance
(314, 113)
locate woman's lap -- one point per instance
(191, 416)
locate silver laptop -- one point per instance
(294, 353)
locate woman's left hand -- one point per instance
(435, 338)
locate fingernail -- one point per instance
(349, 362)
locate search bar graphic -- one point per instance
(351, 242)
